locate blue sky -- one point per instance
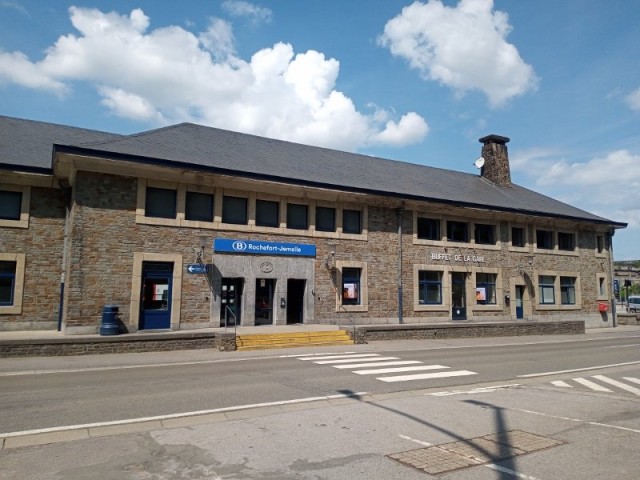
(418, 82)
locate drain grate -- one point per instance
(474, 451)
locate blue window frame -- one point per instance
(486, 289)
(10, 205)
(567, 290)
(546, 284)
(430, 288)
(7, 282)
(351, 286)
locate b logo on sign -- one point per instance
(239, 246)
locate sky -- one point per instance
(418, 82)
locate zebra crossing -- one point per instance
(602, 383)
(384, 368)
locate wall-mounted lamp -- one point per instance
(204, 241)
(528, 266)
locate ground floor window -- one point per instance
(351, 286)
(430, 287)
(486, 289)
(7, 283)
(567, 290)
(546, 286)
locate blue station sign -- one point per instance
(196, 268)
(257, 247)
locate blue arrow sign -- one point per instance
(196, 268)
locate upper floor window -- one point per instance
(10, 205)
(7, 283)
(297, 216)
(199, 207)
(234, 210)
(546, 285)
(325, 219)
(485, 234)
(544, 239)
(566, 241)
(352, 221)
(601, 243)
(518, 237)
(429, 228)
(430, 287)
(457, 231)
(486, 289)
(267, 213)
(160, 202)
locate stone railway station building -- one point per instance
(189, 227)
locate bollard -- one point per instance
(110, 325)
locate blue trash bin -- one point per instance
(110, 325)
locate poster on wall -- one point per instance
(481, 294)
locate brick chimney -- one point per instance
(496, 160)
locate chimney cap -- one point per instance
(500, 140)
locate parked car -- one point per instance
(634, 303)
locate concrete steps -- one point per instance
(261, 341)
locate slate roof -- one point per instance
(27, 145)
(210, 149)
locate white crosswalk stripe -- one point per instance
(362, 364)
(592, 385)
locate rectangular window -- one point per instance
(7, 282)
(600, 243)
(267, 213)
(566, 241)
(547, 289)
(602, 287)
(430, 292)
(517, 237)
(297, 216)
(457, 231)
(567, 290)
(544, 239)
(485, 234)
(351, 286)
(10, 205)
(486, 288)
(234, 210)
(429, 229)
(160, 203)
(325, 219)
(352, 221)
(199, 207)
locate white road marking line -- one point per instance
(473, 390)
(379, 364)
(510, 472)
(632, 379)
(591, 385)
(560, 383)
(419, 442)
(377, 371)
(329, 357)
(181, 415)
(616, 383)
(624, 346)
(349, 360)
(426, 376)
(298, 355)
(530, 375)
(577, 420)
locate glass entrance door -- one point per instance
(155, 304)
(519, 302)
(295, 300)
(264, 301)
(458, 296)
(230, 301)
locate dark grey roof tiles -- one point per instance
(27, 145)
(209, 148)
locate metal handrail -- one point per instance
(353, 320)
(228, 311)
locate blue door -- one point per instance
(458, 296)
(519, 302)
(155, 304)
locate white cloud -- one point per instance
(170, 75)
(15, 6)
(239, 8)
(633, 99)
(608, 186)
(463, 47)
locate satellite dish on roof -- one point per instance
(479, 163)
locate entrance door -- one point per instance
(230, 301)
(519, 302)
(264, 300)
(458, 296)
(155, 304)
(295, 300)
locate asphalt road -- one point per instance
(44, 393)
